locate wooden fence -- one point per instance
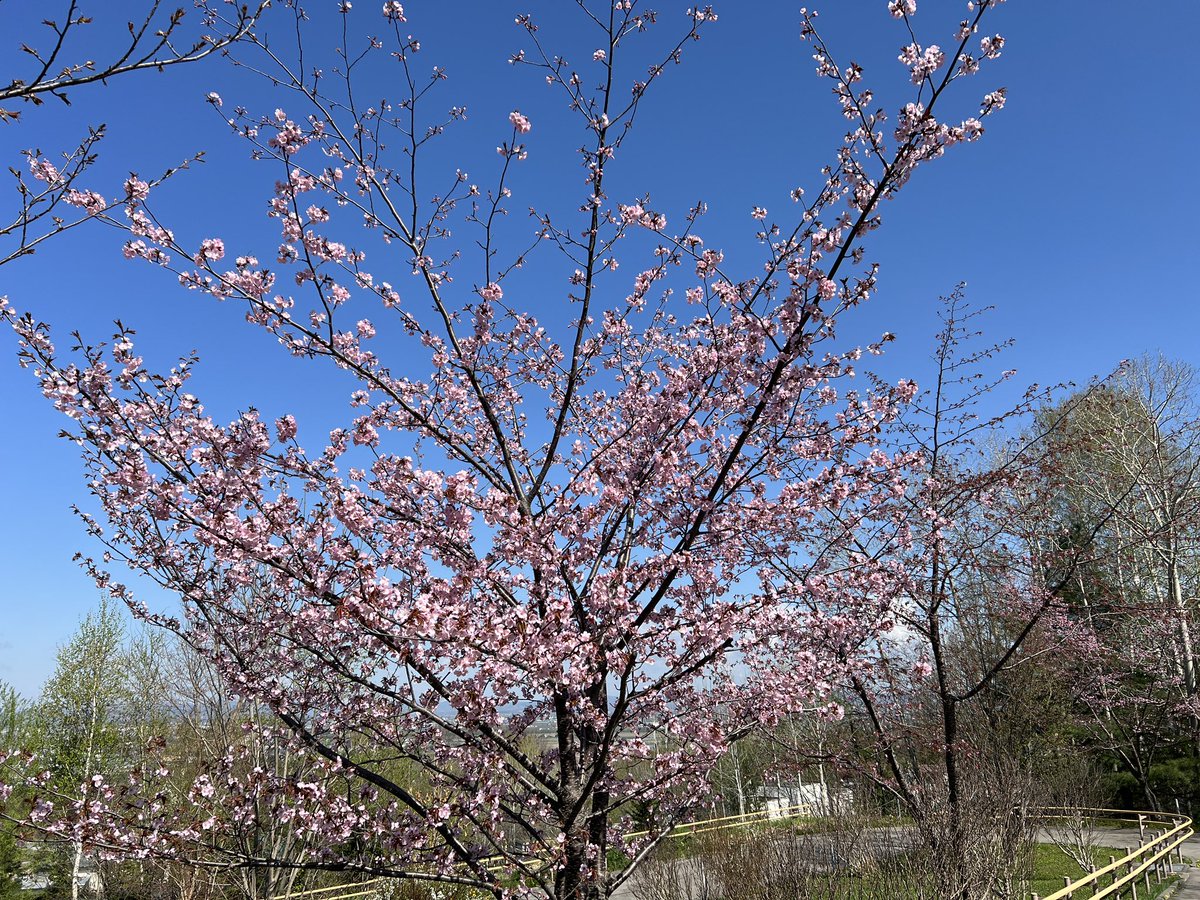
(1160, 843)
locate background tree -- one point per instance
(960, 710)
(13, 711)
(207, 723)
(740, 775)
(1132, 456)
(176, 705)
(77, 725)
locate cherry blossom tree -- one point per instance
(550, 581)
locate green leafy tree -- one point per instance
(1133, 465)
(77, 724)
(12, 708)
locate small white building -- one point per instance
(802, 798)
(88, 881)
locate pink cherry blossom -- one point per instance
(211, 250)
(136, 189)
(43, 170)
(519, 122)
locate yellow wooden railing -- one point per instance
(1124, 877)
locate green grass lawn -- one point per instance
(1050, 864)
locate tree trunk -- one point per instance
(1186, 651)
(737, 780)
(569, 881)
(76, 864)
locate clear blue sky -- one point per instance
(1074, 216)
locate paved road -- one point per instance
(1191, 887)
